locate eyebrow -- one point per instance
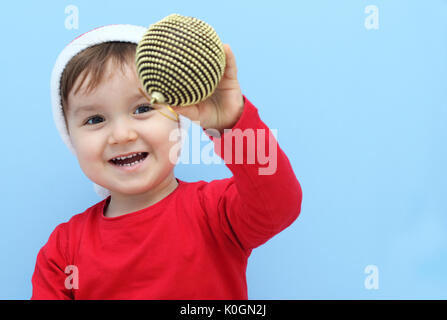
(90, 107)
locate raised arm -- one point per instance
(264, 196)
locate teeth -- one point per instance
(130, 164)
(130, 156)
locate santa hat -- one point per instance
(113, 32)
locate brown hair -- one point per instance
(93, 60)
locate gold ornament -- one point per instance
(180, 61)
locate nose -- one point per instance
(122, 132)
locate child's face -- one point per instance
(121, 123)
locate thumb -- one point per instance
(230, 63)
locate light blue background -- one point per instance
(360, 113)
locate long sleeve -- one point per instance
(264, 196)
(49, 274)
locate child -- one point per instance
(155, 236)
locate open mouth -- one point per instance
(130, 160)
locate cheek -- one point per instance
(161, 137)
(88, 148)
(159, 131)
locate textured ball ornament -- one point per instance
(180, 60)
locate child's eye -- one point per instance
(91, 118)
(146, 107)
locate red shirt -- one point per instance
(192, 244)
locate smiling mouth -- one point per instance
(128, 162)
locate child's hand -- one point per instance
(223, 108)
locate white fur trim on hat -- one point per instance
(113, 32)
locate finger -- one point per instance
(190, 112)
(230, 61)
